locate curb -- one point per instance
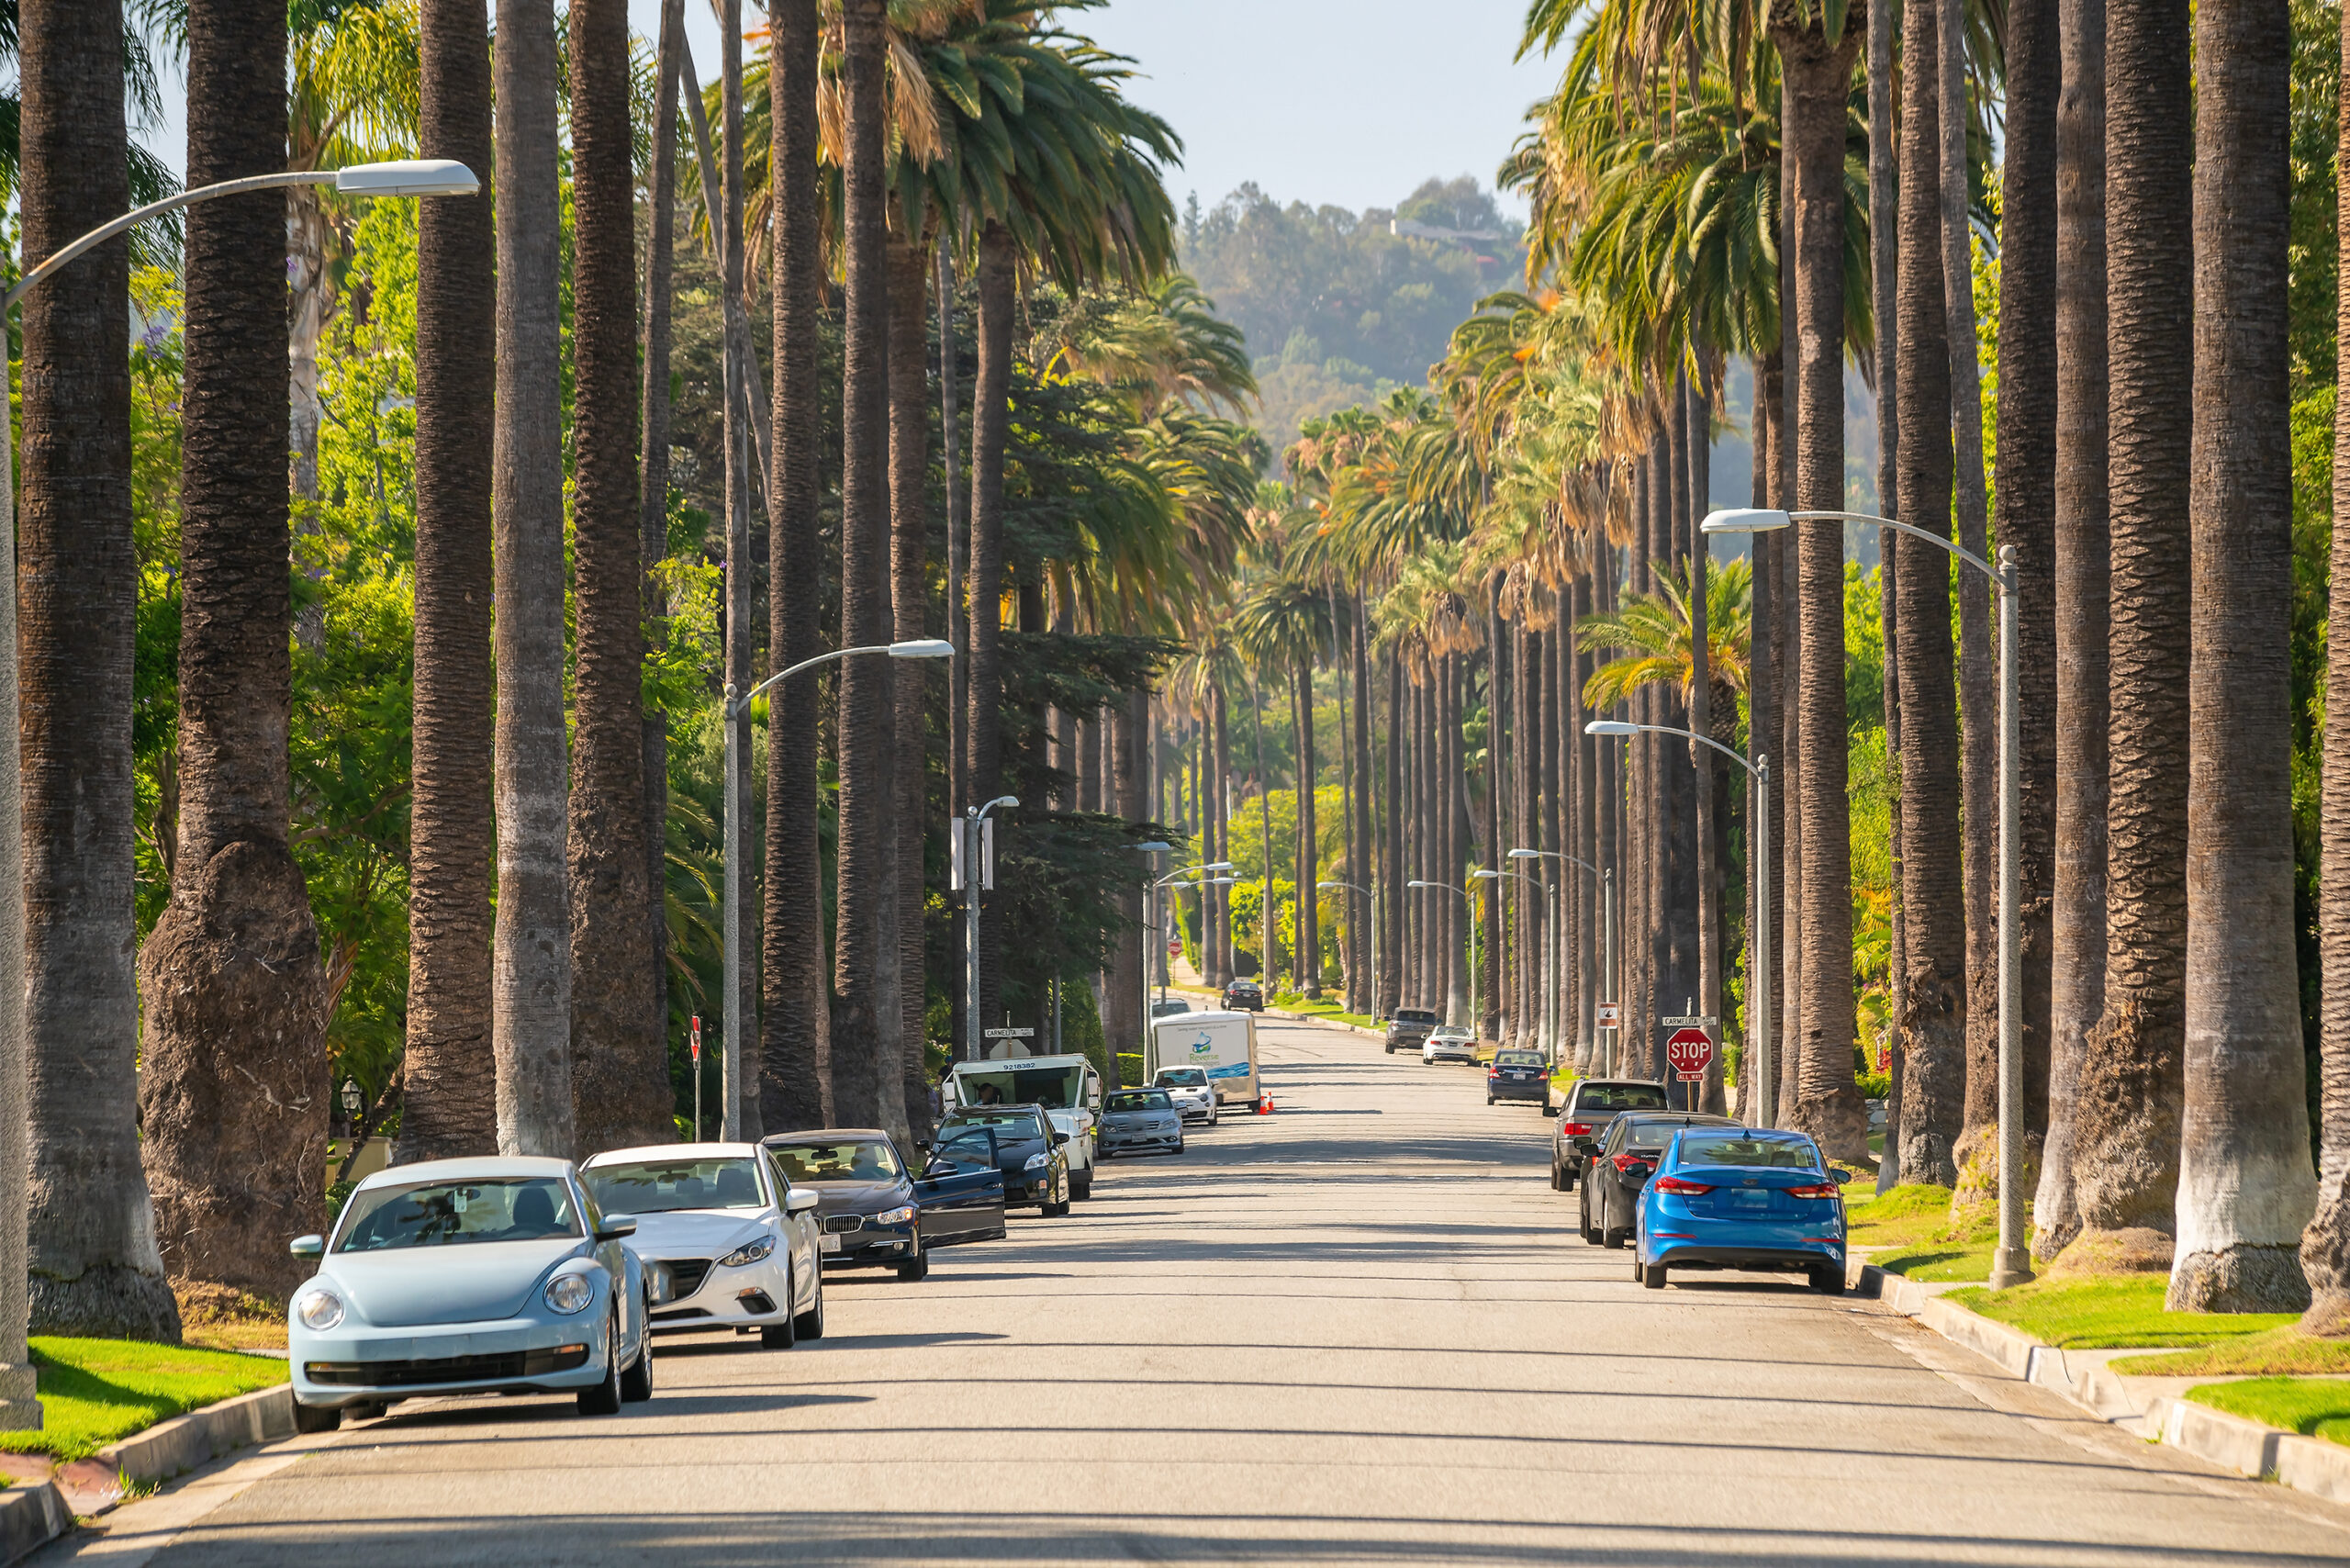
(1326, 1022)
(178, 1446)
(30, 1517)
(2249, 1448)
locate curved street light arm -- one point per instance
(1963, 553)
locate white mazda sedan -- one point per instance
(469, 1276)
(729, 1242)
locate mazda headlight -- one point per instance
(570, 1293)
(749, 1252)
(318, 1310)
(904, 1215)
(1039, 1160)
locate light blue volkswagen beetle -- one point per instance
(469, 1276)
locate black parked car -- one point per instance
(1519, 1075)
(1614, 1176)
(1583, 1121)
(873, 1211)
(1244, 996)
(1021, 1141)
(1409, 1028)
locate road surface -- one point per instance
(1359, 1331)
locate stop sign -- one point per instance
(1690, 1051)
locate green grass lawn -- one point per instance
(2278, 1351)
(1912, 1226)
(2111, 1311)
(95, 1391)
(1297, 1001)
(2315, 1407)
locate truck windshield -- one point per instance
(1055, 1088)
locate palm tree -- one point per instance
(619, 1050)
(2125, 1154)
(794, 1032)
(1933, 908)
(983, 670)
(909, 267)
(449, 1101)
(531, 972)
(2246, 1186)
(96, 1269)
(2077, 987)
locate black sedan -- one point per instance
(1613, 1177)
(1519, 1075)
(873, 1212)
(1582, 1122)
(1019, 1140)
(1244, 996)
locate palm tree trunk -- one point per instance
(1590, 780)
(740, 369)
(2246, 1185)
(1392, 896)
(2125, 1153)
(1699, 400)
(449, 1090)
(795, 1029)
(1129, 725)
(233, 1083)
(1933, 1025)
(1526, 795)
(531, 967)
(1309, 854)
(909, 267)
(2076, 991)
(2326, 1245)
(1762, 724)
(620, 1069)
(1828, 1103)
(1490, 961)
(865, 960)
(983, 670)
(1884, 157)
(1220, 973)
(2026, 489)
(1362, 857)
(1787, 659)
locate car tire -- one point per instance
(1558, 1177)
(1391, 1048)
(636, 1380)
(915, 1268)
(1827, 1281)
(1613, 1238)
(312, 1419)
(1653, 1276)
(604, 1397)
(809, 1324)
(1489, 1099)
(784, 1335)
(1081, 1187)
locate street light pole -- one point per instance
(1174, 879)
(1564, 1028)
(974, 834)
(1463, 895)
(729, 1070)
(2011, 1262)
(1372, 900)
(19, 1409)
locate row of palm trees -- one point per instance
(1719, 183)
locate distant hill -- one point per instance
(1340, 307)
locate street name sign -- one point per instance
(1010, 1034)
(1692, 1021)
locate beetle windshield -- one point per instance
(448, 1214)
(659, 1186)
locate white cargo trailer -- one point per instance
(1224, 1045)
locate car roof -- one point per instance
(477, 1167)
(827, 1134)
(962, 1110)
(674, 1151)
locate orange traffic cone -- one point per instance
(1265, 1103)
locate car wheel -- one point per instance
(809, 1324)
(310, 1419)
(1080, 1187)
(1613, 1238)
(1827, 1281)
(915, 1268)
(1390, 1050)
(1558, 1179)
(636, 1382)
(604, 1397)
(1489, 1099)
(1653, 1276)
(784, 1335)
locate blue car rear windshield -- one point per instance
(1777, 1153)
(450, 1214)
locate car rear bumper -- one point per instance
(1757, 1258)
(1501, 1089)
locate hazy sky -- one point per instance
(1345, 101)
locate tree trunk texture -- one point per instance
(1309, 897)
(864, 958)
(531, 962)
(1765, 726)
(620, 1069)
(2246, 1189)
(1703, 758)
(1492, 961)
(983, 666)
(909, 268)
(794, 1086)
(2125, 1153)
(1885, 249)
(448, 1076)
(233, 1083)
(739, 365)
(1788, 659)
(1130, 727)
(1393, 873)
(2077, 987)
(1361, 857)
(1220, 909)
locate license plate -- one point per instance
(828, 1243)
(1749, 1201)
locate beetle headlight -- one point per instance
(570, 1293)
(319, 1310)
(896, 1217)
(749, 1252)
(1038, 1162)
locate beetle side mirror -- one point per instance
(308, 1246)
(798, 1201)
(617, 1226)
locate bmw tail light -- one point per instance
(1675, 1184)
(1825, 1190)
(1575, 1130)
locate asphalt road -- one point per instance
(1359, 1331)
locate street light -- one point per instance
(1464, 898)
(1372, 898)
(1607, 901)
(1759, 1019)
(730, 1073)
(974, 880)
(19, 1409)
(1484, 875)
(2011, 1263)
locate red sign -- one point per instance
(1690, 1051)
(694, 1034)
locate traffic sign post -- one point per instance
(693, 1039)
(1690, 1050)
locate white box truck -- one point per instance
(1065, 1086)
(1221, 1043)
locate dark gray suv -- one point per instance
(1409, 1027)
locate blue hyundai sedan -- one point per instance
(1746, 1198)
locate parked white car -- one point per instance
(1190, 1090)
(1453, 1042)
(727, 1241)
(469, 1276)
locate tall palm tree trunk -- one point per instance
(739, 366)
(1362, 857)
(2077, 990)
(2125, 1153)
(1590, 903)
(983, 667)
(1934, 996)
(531, 962)
(1702, 758)
(448, 1089)
(909, 269)
(620, 1069)
(1827, 1101)
(1392, 895)
(1762, 723)
(1309, 853)
(866, 1035)
(234, 1082)
(1222, 973)
(1492, 961)
(2246, 1185)
(1885, 160)
(1129, 726)
(2326, 1245)
(795, 1024)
